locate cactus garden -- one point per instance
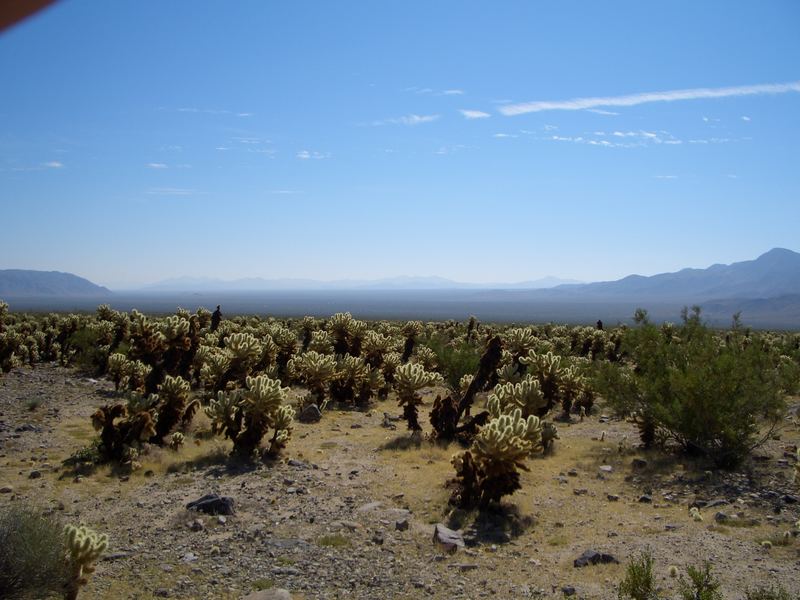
(343, 458)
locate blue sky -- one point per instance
(146, 140)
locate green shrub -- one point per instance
(702, 584)
(702, 390)
(32, 552)
(639, 582)
(454, 359)
(770, 593)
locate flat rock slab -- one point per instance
(592, 557)
(270, 594)
(213, 504)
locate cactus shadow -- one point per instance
(495, 524)
(403, 442)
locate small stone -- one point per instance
(196, 525)
(270, 594)
(377, 538)
(612, 497)
(448, 539)
(310, 414)
(572, 472)
(592, 557)
(639, 463)
(161, 593)
(189, 557)
(568, 590)
(34, 474)
(6, 489)
(606, 468)
(580, 491)
(401, 525)
(222, 520)
(645, 499)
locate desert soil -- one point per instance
(322, 521)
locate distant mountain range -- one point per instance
(252, 284)
(24, 283)
(766, 291)
(773, 274)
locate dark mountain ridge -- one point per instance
(27, 283)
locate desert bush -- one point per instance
(702, 584)
(704, 393)
(32, 552)
(768, 593)
(454, 359)
(639, 582)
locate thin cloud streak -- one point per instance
(647, 97)
(474, 114)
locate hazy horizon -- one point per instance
(148, 141)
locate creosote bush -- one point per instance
(705, 393)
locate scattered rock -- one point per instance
(310, 414)
(270, 594)
(592, 557)
(213, 504)
(645, 499)
(612, 497)
(6, 489)
(448, 539)
(196, 525)
(606, 468)
(572, 472)
(401, 525)
(568, 590)
(639, 463)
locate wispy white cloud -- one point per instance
(647, 97)
(452, 148)
(745, 118)
(452, 92)
(212, 111)
(171, 191)
(154, 165)
(600, 111)
(665, 176)
(407, 120)
(54, 164)
(308, 154)
(504, 135)
(474, 114)
(284, 192)
(426, 91)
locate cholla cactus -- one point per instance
(215, 366)
(412, 330)
(426, 357)
(117, 369)
(525, 395)
(321, 342)
(119, 431)
(488, 470)
(549, 435)
(391, 361)
(409, 379)
(351, 375)
(463, 383)
(508, 372)
(84, 547)
(519, 341)
(547, 369)
(176, 441)
(694, 512)
(339, 326)
(261, 407)
(173, 406)
(225, 414)
(244, 352)
(571, 385)
(315, 370)
(375, 347)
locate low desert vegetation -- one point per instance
(491, 394)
